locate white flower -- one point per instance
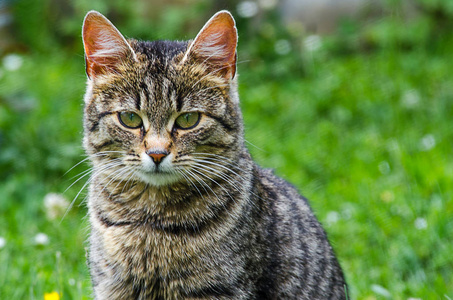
(312, 43)
(347, 212)
(410, 98)
(387, 196)
(41, 239)
(428, 142)
(420, 223)
(332, 218)
(56, 205)
(71, 281)
(384, 167)
(282, 47)
(268, 4)
(247, 9)
(2, 242)
(12, 62)
(380, 290)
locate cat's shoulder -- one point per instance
(278, 187)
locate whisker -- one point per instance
(114, 176)
(229, 162)
(226, 178)
(255, 146)
(201, 165)
(200, 180)
(93, 173)
(119, 176)
(243, 61)
(73, 201)
(83, 160)
(233, 164)
(81, 175)
(187, 178)
(131, 175)
(203, 184)
(198, 170)
(232, 181)
(217, 156)
(197, 161)
(108, 151)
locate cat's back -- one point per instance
(300, 262)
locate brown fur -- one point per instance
(216, 226)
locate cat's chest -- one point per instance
(146, 252)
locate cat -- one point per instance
(177, 207)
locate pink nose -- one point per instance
(157, 156)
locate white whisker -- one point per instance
(131, 176)
(223, 163)
(83, 160)
(189, 180)
(219, 158)
(230, 163)
(199, 171)
(200, 162)
(94, 173)
(81, 175)
(114, 176)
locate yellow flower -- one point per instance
(51, 296)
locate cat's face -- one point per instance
(161, 112)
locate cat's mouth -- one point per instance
(159, 177)
(156, 170)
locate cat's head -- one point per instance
(161, 112)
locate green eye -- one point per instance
(130, 120)
(187, 120)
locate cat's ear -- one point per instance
(216, 44)
(105, 47)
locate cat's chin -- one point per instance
(159, 179)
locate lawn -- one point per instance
(366, 135)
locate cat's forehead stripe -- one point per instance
(162, 50)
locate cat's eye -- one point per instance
(187, 120)
(130, 120)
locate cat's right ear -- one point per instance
(105, 47)
(215, 45)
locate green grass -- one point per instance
(367, 137)
(373, 165)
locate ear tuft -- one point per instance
(105, 47)
(215, 45)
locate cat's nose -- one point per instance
(157, 156)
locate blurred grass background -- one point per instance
(358, 118)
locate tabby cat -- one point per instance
(178, 209)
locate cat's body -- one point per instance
(178, 209)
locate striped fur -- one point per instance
(216, 226)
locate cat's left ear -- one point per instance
(215, 45)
